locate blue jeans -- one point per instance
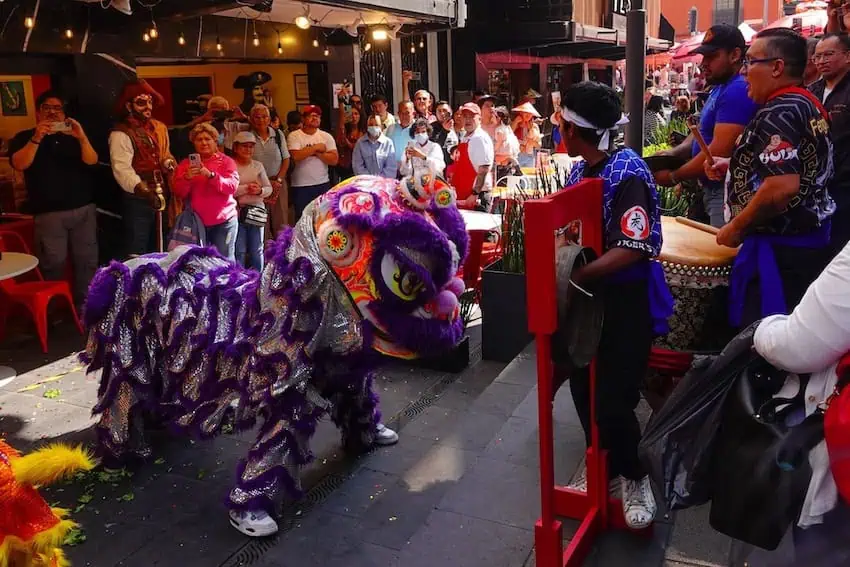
(249, 246)
(223, 237)
(303, 196)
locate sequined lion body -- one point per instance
(31, 532)
(189, 337)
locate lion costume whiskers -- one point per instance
(194, 340)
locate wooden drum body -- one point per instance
(697, 271)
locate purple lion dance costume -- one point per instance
(193, 340)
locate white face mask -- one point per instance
(374, 131)
(421, 138)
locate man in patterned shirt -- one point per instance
(777, 202)
(631, 283)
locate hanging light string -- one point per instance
(31, 21)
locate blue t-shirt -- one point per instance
(727, 104)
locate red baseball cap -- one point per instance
(310, 109)
(471, 107)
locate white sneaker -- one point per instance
(385, 436)
(579, 484)
(253, 524)
(639, 506)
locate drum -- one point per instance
(697, 271)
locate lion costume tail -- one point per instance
(31, 532)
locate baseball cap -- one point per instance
(244, 138)
(720, 36)
(471, 107)
(310, 109)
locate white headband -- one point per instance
(605, 141)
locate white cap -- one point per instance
(244, 137)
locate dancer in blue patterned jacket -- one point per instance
(637, 301)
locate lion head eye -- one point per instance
(402, 282)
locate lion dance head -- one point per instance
(31, 532)
(397, 246)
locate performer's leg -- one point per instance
(139, 225)
(273, 464)
(355, 411)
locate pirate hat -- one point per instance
(250, 81)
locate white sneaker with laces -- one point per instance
(385, 436)
(639, 505)
(579, 484)
(253, 523)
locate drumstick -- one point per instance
(702, 145)
(697, 225)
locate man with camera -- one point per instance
(56, 159)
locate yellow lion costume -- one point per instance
(30, 530)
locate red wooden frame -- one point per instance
(595, 509)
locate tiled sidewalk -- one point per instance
(459, 490)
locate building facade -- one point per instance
(696, 16)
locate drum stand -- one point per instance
(595, 509)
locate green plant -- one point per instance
(550, 178)
(673, 201)
(467, 306)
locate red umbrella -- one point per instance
(810, 23)
(683, 50)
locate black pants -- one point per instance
(300, 197)
(798, 268)
(621, 365)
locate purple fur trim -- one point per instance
(414, 232)
(423, 336)
(451, 222)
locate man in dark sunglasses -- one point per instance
(777, 202)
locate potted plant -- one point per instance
(504, 324)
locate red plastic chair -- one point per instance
(34, 295)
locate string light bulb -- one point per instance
(146, 37)
(218, 43)
(182, 39)
(413, 49)
(29, 22)
(421, 44)
(327, 52)
(367, 47)
(69, 33)
(315, 43)
(256, 40)
(279, 48)
(154, 33)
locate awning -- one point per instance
(550, 39)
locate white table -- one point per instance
(14, 264)
(478, 220)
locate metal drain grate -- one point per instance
(295, 512)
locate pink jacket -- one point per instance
(212, 199)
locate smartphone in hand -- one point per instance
(62, 126)
(195, 161)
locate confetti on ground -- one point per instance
(159, 461)
(52, 394)
(74, 537)
(201, 474)
(29, 388)
(85, 498)
(129, 497)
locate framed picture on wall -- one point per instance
(302, 88)
(13, 98)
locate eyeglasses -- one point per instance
(143, 101)
(749, 62)
(52, 108)
(826, 55)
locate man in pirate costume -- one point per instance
(252, 86)
(635, 296)
(778, 207)
(141, 158)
